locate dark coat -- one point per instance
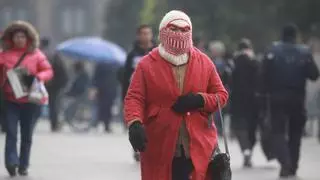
(61, 77)
(105, 81)
(105, 78)
(286, 68)
(132, 60)
(244, 86)
(80, 85)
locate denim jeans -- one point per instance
(24, 114)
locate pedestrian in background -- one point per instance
(55, 89)
(78, 91)
(286, 67)
(20, 42)
(143, 45)
(217, 51)
(243, 101)
(172, 92)
(104, 91)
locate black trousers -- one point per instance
(288, 118)
(54, 109)
(104, 110)
(245, 129)
(181, 167)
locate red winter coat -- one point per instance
(35, 61)
(151, 94)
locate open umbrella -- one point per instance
(93, 49)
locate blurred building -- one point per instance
(56, 19)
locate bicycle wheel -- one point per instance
(79, 116)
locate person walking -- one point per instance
(172, 92)
(56, 89)
(142, 46)
(286, 67)
(20, 42)
(217, 51)
(104, 91)
(243, 102)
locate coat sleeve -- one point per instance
(2, 70)
(45, 72)
(134, 102)
(215, 87)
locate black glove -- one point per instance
(188, 103)
(137, 136)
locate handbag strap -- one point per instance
(21, 58)
(225, 140)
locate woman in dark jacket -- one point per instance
(20, 42)
(243, 99)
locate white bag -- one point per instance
(19, 89)
(38, 93)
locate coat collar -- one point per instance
(155, 54)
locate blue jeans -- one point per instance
(25, 115)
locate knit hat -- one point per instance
(177, 18)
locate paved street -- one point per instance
(98, 156)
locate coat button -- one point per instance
(188, 113)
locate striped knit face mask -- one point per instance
(176, 42)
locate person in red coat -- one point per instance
(18, 39)
(172, 92)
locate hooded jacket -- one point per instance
(35, 61)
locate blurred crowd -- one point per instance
(267, 85)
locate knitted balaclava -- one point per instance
(175, 45)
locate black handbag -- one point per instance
(219, 165)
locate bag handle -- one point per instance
(225, 140)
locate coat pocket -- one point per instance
(159, 120)
(152, 114)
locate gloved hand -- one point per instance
(188, 103)
(137, 136)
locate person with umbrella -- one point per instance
(172, 92)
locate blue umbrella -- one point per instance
(93, 49)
